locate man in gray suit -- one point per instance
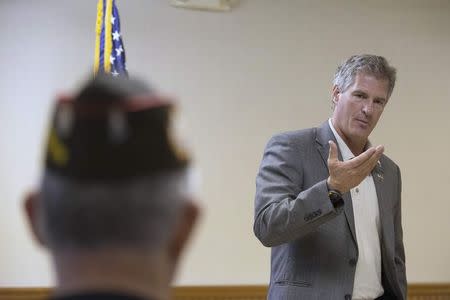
(329, 203)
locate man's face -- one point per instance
(358, 108)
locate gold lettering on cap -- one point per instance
(57, 150)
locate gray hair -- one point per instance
(367, 64)
(137, 213)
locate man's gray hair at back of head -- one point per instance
(367, 64)
(139, 213)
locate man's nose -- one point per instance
(368, 107)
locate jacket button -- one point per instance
(348, 297)
(352, 262)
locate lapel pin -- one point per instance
(380, 176)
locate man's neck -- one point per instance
(124, 272)
(357, 146)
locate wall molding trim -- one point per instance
(416, 291)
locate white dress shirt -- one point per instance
(367, 284)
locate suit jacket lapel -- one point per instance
(324, 134)
(383, 206)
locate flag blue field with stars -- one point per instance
(109, 49)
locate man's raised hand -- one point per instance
(345, 175)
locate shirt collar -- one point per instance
(343, 148)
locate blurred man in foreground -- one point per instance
(114, 207)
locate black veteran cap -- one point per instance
(115, 129)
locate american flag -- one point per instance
(109, 49)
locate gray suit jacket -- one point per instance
(314, 248)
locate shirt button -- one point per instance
(352, 262)
(357, 190)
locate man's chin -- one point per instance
(360, 135)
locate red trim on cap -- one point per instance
(132, 104)
(137, 103)
(64, 98)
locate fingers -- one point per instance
(362, 158)
(373, 153)
(380, 148)
(367, 166)
(367, 158)
(333, 154)
(375, 156)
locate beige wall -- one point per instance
(240, 77)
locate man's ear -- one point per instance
(33, 212)
(335, 93)
(183, 230)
